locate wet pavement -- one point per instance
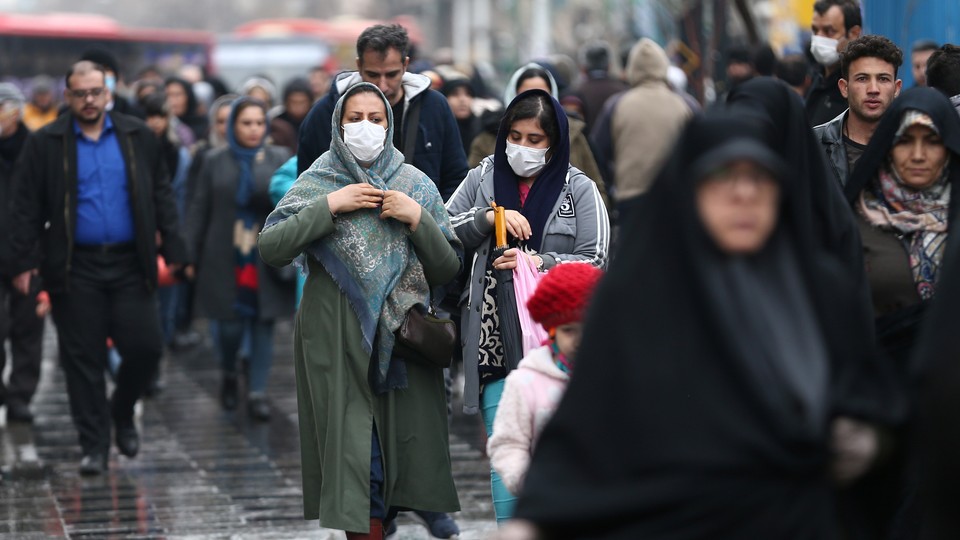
(201, 472)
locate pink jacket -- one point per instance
(530, 395)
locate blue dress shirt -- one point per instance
(104, 215)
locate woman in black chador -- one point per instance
(721, 347)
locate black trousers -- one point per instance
(20, 325)
(106, 297)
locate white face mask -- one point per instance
(526, 161)
(824, 50)
(365, 140)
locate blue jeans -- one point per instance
(503, 501)
(231, 333)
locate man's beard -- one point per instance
(89, 121)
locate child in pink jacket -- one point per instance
(533, 391)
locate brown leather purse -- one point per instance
(426, 338)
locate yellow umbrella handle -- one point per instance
(500, 226)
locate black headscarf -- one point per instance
(780, 112)
(197, 123)
(546, 188)
(923, 99)
(683, 421)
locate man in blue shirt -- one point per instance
(92, 190)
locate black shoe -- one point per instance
(93, 464)
(439, 524)
(258, 409)
(19, 413)
(127, 438)
(228, 392)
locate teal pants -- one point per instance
(503, 500)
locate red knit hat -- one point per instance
(563, 294)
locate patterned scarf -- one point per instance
(920, 216)
(370, 259)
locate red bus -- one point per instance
(48, 44)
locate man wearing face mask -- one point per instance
(835, 23)
(425, 130)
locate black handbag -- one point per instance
(426, 338)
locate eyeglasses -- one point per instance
(82, 94)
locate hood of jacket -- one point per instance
(647, 63)
(414, 84)
(541, 361)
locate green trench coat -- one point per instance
(337, 408)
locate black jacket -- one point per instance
(830, 136)
(46, 192)
(824, 100)
(10, 148)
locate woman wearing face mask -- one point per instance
(228, 209)
(711, 364)
(531, 77)
(374, 237)
(554, 215)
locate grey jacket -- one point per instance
(209, 231)
(578, 230)
(830, 136)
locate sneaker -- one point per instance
(439, 524)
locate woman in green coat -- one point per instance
(374, 237)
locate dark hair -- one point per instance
(155, 104)
(849, 8)
(596, 57)
(764, 60)
(360, 89)
(923, 45)
(943, 70)
(739, 54)
(793, 69)
(297, 85)
(83, 67)
(536, 106)
(244, 104)
(870, 46)
(381, 38)
(104, 58)
(533, 73)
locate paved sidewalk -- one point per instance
(201, 473)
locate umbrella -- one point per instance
(510, 334)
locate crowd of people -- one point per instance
(764, 286)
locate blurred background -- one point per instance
(233, 39)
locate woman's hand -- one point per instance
(855, 446)
(517, 225)
(401, 207)
(507, 261)
(354, 197)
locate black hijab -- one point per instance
(780, 112)
(923, 99)
(546, 188)
(198, 124)
(682, 421)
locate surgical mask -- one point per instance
(824, 50)
(365, 140)
(526, 161)
(111, 82)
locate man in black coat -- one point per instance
(92, 189)
(19, 320)
(835, 23)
